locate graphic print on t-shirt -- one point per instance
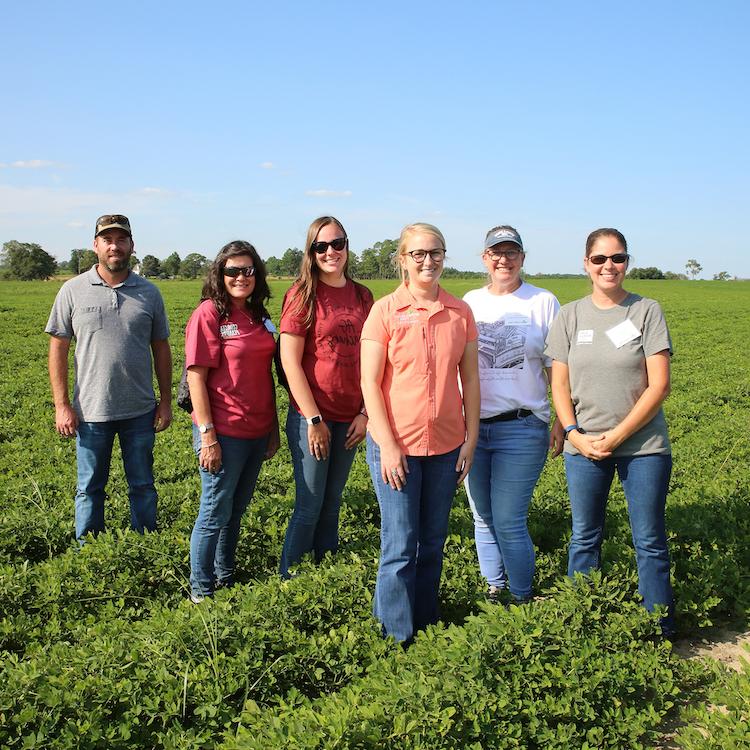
(339, 334)
(501, 345)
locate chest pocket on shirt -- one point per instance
(407, 349)
(87, 319)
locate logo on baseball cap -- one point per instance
(503, 234)
(112, 221)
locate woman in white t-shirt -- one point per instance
(513, 319)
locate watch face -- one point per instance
(316, 420)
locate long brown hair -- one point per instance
(305, 286)
(214, 289)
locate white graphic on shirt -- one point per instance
(501, 346)
(228, 330)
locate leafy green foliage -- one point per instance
(27, 261)
(651, 272)
(99, 646)
(723, 723)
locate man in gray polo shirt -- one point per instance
(118, 320)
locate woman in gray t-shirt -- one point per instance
(610, 375)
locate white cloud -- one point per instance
(323, 193)
(34, 164)
(267, 165)
(152, 191)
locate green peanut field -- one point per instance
(102, 649)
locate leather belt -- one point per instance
(506, 416)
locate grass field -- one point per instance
(101, 649)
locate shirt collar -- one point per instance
(93, 275)
(403, 298)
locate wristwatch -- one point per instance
(317, 419)
(573, 428)
(204, 428)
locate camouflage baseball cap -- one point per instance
(112, 221)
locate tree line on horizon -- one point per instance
(27, 261)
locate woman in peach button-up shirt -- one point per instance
(416, 344)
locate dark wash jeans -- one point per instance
(413, 528)
(645, 481)
(94, 441)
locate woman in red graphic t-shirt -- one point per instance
(229, 347)
(321, 321)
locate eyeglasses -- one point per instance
(235, 271)
(419, 255)
(511, 254)
(320, 247)
(600, 260)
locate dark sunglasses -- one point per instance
(338, 245)
(235, 271)
(112, 219)
(600, 260)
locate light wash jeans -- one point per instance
(94, 441)
(507, 463)
(413, 528)
(314, 525)
(224, 497)
(645, 481)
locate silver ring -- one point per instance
(394, 472)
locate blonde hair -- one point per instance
(419, 227)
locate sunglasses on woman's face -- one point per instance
(600, 260)
(235, 271)
(320, 247)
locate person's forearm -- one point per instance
(292, 351)
(378, 425)
(58, 370)
(469, 372)
(472, 401)
(196, 379)
(300, 388)
(163, 368)
(643, 411)
(561, 397)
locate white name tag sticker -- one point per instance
(406, 319)
(585, 336)
(517, 319)
(623, 332)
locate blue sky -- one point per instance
(248, 120)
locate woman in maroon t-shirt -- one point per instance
(229, 347)
(321, 321)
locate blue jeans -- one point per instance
(645, 481)
(507, 463)
(314, 525)
(94, 441)
(224, 497)
(413, 527)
